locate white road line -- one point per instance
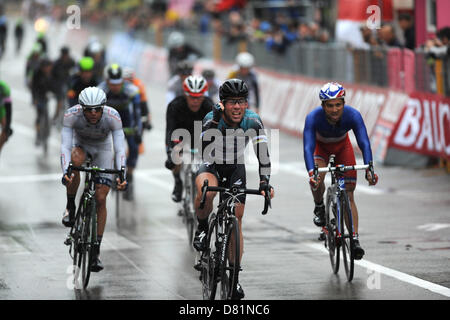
(393, 273)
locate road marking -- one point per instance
(433, 226)
(393, 273)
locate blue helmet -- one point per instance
(331, 90)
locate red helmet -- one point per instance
(195, 86)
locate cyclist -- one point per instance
(325, 133)
(245, 62)
(61, 72)
(129, 75)
(82, 79)
(88, 128)
(182, 113)
(32, 64)
(41, 85)
(213, 83)
(96, 51)
(179, 51)
(124, 97)
(175, 83)
(237, 125)
(5, 113)
(18, 34)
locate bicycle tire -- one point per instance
(87, 245)
(347, 236)
(331, 232)
(229, 270)
(76, 246)
(209, 261)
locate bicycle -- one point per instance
(190, 169)
(83, 235)
(219, 262)
(338, 210)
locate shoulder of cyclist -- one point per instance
(251, 120)
(5, 90)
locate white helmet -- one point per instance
(92, 97)
(175, 40)
(128, 73)
(245, 60)
(95, 47)
(195, 86)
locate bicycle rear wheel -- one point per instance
(331, 233)
(347, 236)
(230, 262)
(209, 261)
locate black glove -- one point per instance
(217, 112)
(265, 186)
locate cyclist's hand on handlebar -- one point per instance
(66, 180)
(121, 185)
(314, 181)
(266, 188)
(218, 111)
(373, 179)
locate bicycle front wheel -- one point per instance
(347, 236)
(331, 232)
(230, 261)
(209, 261)
(88, 237)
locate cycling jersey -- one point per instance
(252, 83)
(127, 103)
(178, 115)
(94, 138)
(317, 128)
(234, 141)
(76, 86)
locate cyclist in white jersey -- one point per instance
(87, 130)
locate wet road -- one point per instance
(404, 227)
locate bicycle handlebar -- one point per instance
(235, 190)
(94, 169)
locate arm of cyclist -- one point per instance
(120, 155)
(171, 125)
(309, 145)
(66, 153)
(363, 141)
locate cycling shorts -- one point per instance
(343, 150)
(227, 176)
(102, 156)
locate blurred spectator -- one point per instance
(236, 30)
(277, 41)
(406, 24)
(387, 36)
(304, 32)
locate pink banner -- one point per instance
(424, 126)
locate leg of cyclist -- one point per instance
(202, 214)
(319, 207)
(101, 192)
(178, 187)
(358, 250)
(78, 157)
(239, 212)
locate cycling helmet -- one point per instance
(233, 88)
(208, 74)
(95, 47)
(92, 97)
(195, 86)
(331, 90)
(185, 67)
(175, 40)
(86, 64)
(113, 73)
(245, 60)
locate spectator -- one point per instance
(387, 35)
(406, 24)
(277, 41)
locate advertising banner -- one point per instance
(424, 126)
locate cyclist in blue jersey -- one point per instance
(325, 133)
(226, 132)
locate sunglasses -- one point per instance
(96, 109)
(232, 102)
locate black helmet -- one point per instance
(233, 88)
(113, 73)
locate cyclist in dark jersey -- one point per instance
(226, 133)
(80, 81)
(325, 133)
(183, 113)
